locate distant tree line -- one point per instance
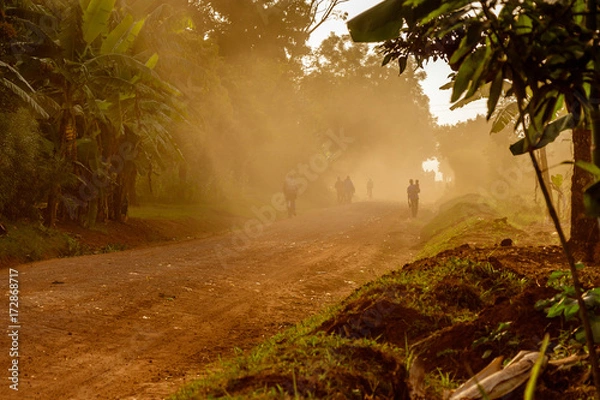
(104, 100)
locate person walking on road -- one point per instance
(413, 191)
(290, 191)
(349, 189)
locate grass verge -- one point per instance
(362, 348)
(27, 242)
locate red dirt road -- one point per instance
(140, 323)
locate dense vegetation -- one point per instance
(106, 101)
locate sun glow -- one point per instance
(433, 165)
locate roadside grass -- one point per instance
(175, 212)
(27, 242)
(475, 220)
(410, 303)
(301, 364)
(362, 347)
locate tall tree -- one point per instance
(526, 45)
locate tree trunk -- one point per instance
(543, 160)
(584, 230)
(50, 217)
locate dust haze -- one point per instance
(255, 116)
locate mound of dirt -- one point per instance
(380, 319)
(349, 380)
(505, 323)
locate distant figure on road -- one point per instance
(339, 188)
(370, 188)
(290, 191)
(413, 191)
(349, 189)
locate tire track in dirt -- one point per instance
(140, 323)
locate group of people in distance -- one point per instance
(345, 190)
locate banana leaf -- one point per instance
(378, 23)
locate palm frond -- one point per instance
(25, 97)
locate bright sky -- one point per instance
(437, 73)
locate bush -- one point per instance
(20, 164)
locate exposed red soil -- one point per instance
(138, 324)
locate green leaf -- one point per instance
(126, 44)
(537, 369)
(483, 58)
(152, 61)
(430, 10)
(465, 74)
(25, 97)
(556, 309)
(595, 325)
(524, 25)
(505, 116)
(495, 91)
(571, 309)
(592, 298)
(378, 23)
(117, 35)
(519, 147)
(467, 44)
(555, 128)
(95, 18)
(549, 134)
(557, 180)
(558, 274)
(589, 167)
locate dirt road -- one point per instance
(138, 324)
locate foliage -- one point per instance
(189, 89)
(522, 49)
(23, 173)
(98, 97)
(27, 242)
(303, 365)
(544, 51)
(564, 304)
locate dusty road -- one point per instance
(138, 324)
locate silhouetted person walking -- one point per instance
(413, 191)
(290, 191)
(349, 189)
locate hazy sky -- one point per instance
(437, 73)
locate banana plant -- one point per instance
(98, 94)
